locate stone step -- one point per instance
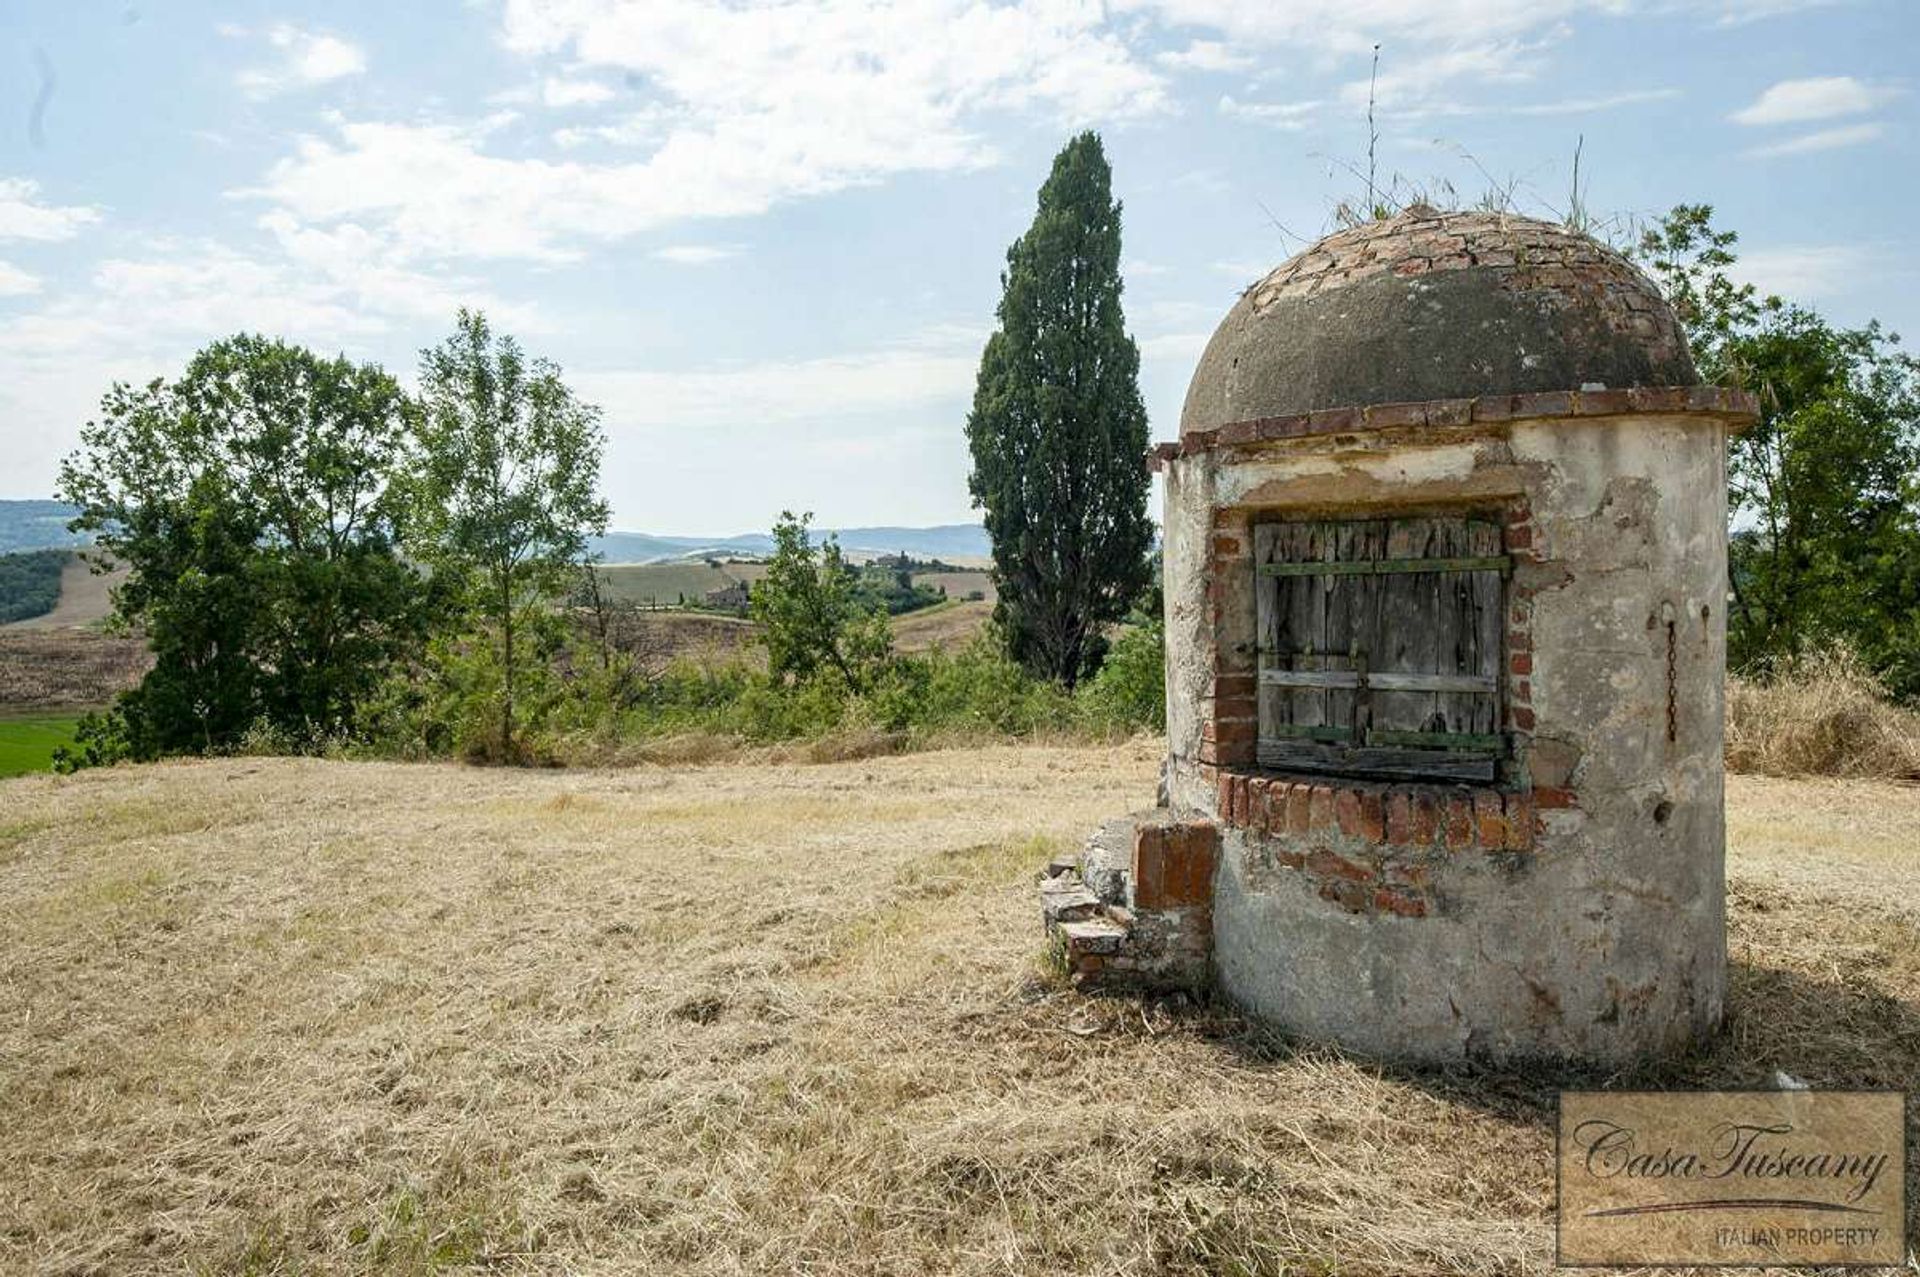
(1066, 899)
(1098, 936)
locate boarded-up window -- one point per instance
(1379, 646)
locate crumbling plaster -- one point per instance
(1605, 939)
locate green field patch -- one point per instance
(664, 583)
(27, 742)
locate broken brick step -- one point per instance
(1098, 936)
(1066, 899)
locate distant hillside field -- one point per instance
(43, 668)
(949, 626)
(42, 525)
(959, 584)
(960, 543)
(85, 598)
(29, 583)
(36, 525)
(666, 583)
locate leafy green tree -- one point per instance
(508, 490)
(254, 503)
(810, 614)
(1058, 430)
(1825, 544)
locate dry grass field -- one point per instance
(276, 1016)
(66, 668)
(950, 625)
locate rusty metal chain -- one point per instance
(1673, 710)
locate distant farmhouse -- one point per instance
(729, 598)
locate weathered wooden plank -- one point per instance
(1373, 669)
(1312, 542)
(1382, 681)
(1300, 731)
(1391, 567)
(1310, 756)
(1440, 740)
(1341, 642)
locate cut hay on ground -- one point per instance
(279, 1016)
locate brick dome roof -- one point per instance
(1429, 305)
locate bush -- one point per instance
(1130, 691)
(581, 710)
(1824, 715)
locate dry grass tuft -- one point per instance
(1826, 717)
(278, 1016)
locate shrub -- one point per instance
(1130, 691)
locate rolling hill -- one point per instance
(42, 525)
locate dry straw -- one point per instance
(278, 1016)
(1826, 716)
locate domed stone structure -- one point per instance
(1436, 306)
(1445, 565)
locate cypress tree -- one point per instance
(1058, 430)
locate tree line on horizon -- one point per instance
(316, 556)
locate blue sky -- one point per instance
(767, 238)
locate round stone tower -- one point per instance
(1445, 587)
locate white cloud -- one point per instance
(23, 216)
(305, 58)
(1429, 83)
(1735, 13)
(695, 254)
(1822, 140)
(1206, 55)
(560, 92)
(1291, 116)
(433, 191)
(1805, 272)
(1822, 98)
(1353, 27)
(363, 268)
(933, 367)
(745, 108)
(1586, 106)
(15, 282)
(1182, 348)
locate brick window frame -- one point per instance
(1230, 727)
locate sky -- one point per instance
(766, 238)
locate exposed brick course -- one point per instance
(1737, 408)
